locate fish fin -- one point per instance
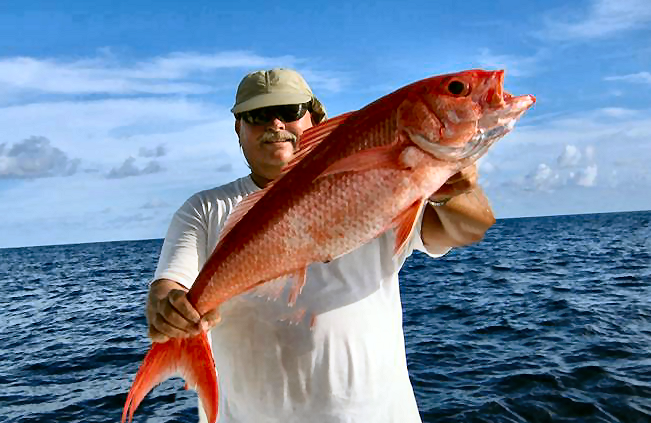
(372, 158)
(313, 137)
(274, 289)
(294, 317)
(271, 290)
(405, 223)
(299, 282)
(192, 358)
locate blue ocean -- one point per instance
(546, 320)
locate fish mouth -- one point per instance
(493, 125)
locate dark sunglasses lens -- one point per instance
(291, 112)
(286, 113)
(258, 116)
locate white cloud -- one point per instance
(103, 109)
(331, 81)
(34, 157)
(588, 176)
(639, 78)
(544, 178)
(514, 65)
(129, 168)
(569, 159)
(484, 166)
(589, 153)
(102, 132)
(158, 151)
(177, 73)
(85, 77)
(604, 18)
(571, 156)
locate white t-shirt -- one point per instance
(350, 367)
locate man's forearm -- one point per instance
(462, 221)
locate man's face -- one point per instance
(269, 146)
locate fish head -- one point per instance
(457, 117)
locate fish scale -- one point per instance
(354, 177)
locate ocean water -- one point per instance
(546, 320)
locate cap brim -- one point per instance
(270, 99)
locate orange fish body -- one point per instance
(354, 177)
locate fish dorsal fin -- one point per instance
(313, 137)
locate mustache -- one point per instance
(274, 136)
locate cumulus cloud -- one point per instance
(129, 168)
(158, 151)
(35, 157)
(588, 176)
(573, 168)
(589, 153)
(544, 178)
(604, 18)
(571, 156)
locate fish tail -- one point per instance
(189, 357)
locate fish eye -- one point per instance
(458, 88)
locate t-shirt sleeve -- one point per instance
(416, 242)
(184, 248)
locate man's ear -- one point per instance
(237, 126)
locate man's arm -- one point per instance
(463, 220)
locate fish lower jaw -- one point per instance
(473, 148)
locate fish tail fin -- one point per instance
(189, 357)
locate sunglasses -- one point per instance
(285, 113)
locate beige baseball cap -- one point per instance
(275, 87)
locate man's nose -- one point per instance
(276, 124)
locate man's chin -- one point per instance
(281, 157)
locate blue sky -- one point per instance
(113, 113)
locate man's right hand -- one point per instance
(170, 314)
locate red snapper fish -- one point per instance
(354, 177)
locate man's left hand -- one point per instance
(461, 182)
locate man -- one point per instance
(351, 366)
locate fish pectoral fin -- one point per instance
(405, 223)
(299, 316)
(298, 279)
(385, 157)
(192, 358)
(273, 289)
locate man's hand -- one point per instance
(170, 314)
(465, 217)
(461, 182)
